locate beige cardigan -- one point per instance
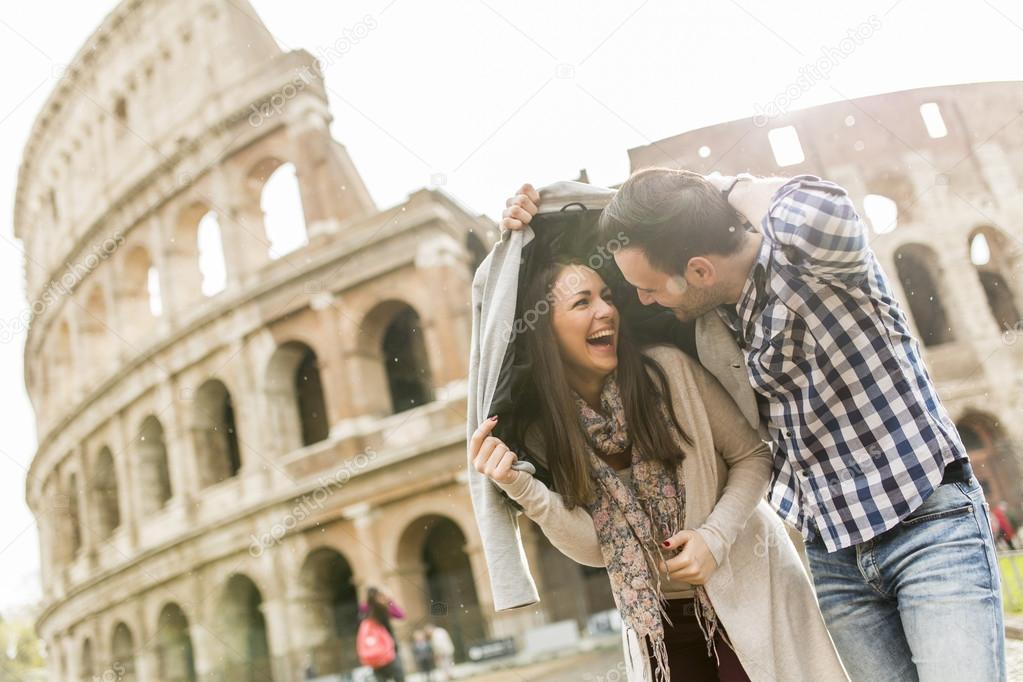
(760, 590)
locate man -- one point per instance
(868, 465)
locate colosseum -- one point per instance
(246, 415)
(250, 382)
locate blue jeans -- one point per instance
(921, 601)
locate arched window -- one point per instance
(136, 291)
(154, 473)
(215, 434)
(104, 489)
(404, 354)
(210, 247)
(433, 549)
(73, 518)
(917, 269)
(94, 331)
(283, 217)
(123, 653)
(882, 213)
(241, 628)
(175, 660)
(477, 251)
(88, 667)
(60, 364)
(991, 254)
(332, 611)
(295, 392)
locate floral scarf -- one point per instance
(631, 522)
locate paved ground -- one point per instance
(605, 665)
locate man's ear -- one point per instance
(701, 271)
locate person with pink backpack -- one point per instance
(375, 642)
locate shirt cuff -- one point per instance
(714, 544)
(517, 488)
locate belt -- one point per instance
(957, 471)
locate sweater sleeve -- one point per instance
(749, 465)
(570, 531)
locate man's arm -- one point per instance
(750, 196)
(814, 218)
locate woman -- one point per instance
(382, 608)
(659, 478)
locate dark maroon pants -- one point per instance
(687, 649)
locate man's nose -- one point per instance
(645, 298)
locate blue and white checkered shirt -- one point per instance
(861, 438)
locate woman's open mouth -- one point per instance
(602, 340)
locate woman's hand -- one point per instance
(694, 564)
(490, 456)
(520, 209)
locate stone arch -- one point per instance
(392, 343)
(439, 586)
(154, 471)
(996, 265)
(139, 297)
(994, 458)
(60, 364)
(215, 434)
(174, 654)
(276, 184)
(209, 239)
(87, 662)
(329, 610)
(105, 494)
(183, 252)
(94, 330)
(569, 590)
(898, 188)
(295, 397)
(241, 628)
(918, 271)
(477, 251)
(74, 525)
(122, 653)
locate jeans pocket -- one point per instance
(947, 501)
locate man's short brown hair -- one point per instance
(672, 215)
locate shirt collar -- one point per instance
(753, 297)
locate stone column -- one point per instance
(159, 238)
(181, 455)
(126, 467)
(282, 658)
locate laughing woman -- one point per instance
(658, 478)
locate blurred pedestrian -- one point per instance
(380, 609)
(443, 649)
(422, 651)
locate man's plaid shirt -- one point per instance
(860, 435)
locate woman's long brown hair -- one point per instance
(549, 403)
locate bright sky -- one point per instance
(479, 96)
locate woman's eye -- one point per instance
(577, 303)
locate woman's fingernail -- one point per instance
(666, 543)
(494, 418)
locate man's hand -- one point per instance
(490, 456)
(694, 564)
(520, 208)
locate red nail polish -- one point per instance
(666, 544)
